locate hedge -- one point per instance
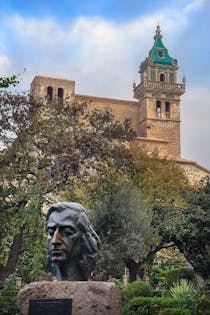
(135, 289)
(152, 306)
(174, 311)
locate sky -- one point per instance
(100, 43)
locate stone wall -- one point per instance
(40, 84)
(167, 130)
(152, 145)
(120, 108)
(194, 172)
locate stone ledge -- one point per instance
(89, 298)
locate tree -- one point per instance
(42, 147)
(122, 221)
(5, 82)
(188, 227)
(121, 197)
(159, 178)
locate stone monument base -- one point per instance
(88, 297)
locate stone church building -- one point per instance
(155, 112)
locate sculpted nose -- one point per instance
(56, 237)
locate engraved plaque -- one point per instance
(50, 307)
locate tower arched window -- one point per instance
(162, 77)
(60, 94)
(168, 110)
(158, 109)
(49, 93)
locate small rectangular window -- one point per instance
(49, 93)
(158, 109)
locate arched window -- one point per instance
(49, 93)
(60, 94)
(168, 114)
(158, 109)
(162, 77)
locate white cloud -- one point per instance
(43, 32)
(195, 124)
(194, 5)
(4, 64)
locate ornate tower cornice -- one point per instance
(158, 61)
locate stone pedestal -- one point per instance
(88, 298)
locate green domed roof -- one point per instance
(159, 53)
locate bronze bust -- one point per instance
(72, 242)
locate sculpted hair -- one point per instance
(90, 241)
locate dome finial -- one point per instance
(158, 31)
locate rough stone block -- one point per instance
(89, 298)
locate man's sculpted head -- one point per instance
(72, 243)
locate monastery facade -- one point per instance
(155, 114)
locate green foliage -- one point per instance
(42, 148)
(5, 82)
(122, 221)
(175, 274)
(205, 287)
(160, 293)
(183, 289)
(164, 278)
(32, 259)
(32, 243)
(174, 311)
(159, 179)
(135, 289)
(8, 295)
(119, 214)
(64, 150)
(188, 227)
(203, 306)
(151, 305)
(118, 282)
(157, 276)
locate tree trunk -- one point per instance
(197, 258)
(13, 256)
(143, 272)
(133, 268)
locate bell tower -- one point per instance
(159, 95)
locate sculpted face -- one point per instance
(63, 236)
(72, 242)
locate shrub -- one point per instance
(151, 305)
(174, 311)
(8, 295)
(183, 289)
(134, 289)
(205, 288)
(157, 277)
(203, 306)
(176, 274)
